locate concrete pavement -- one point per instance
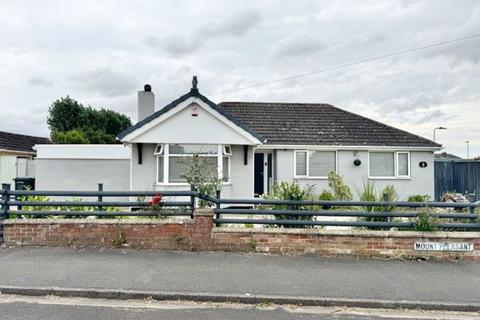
(243, 274)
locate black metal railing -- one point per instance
(374, 215)
(19, 199)
(286, 213)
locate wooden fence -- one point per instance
(462, 176)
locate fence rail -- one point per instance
(375, 214)
(286, 213)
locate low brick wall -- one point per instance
(169, 234)
(199, 234)
(384, 244)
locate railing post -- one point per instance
(384, 208)
(100, 197)
(21, 186)
(472, 211)
(5, 206)
(217, 206)
(192, 201)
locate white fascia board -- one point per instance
(330, 147)
(150, 125)
(83, 151)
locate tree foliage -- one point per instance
(71, 122)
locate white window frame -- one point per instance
(166, 163)
(395, 166)
(307, 176)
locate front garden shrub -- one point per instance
(200, 175)
(290, 191)
(340, 189)
(425, 221)
(370, 194)
(419, 198)
(326, 196)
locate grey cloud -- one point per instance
(106, 82)
(299, 47)
(234, 25)
(174, 46)
(39, 82)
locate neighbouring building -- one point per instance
(16, 154)
(251, 145)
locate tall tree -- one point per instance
(71, 122)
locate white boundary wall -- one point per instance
(82, 167)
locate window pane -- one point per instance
(301, 163)
(226, 170)
(382, 164)
(212, 167)
(321, 163)
(193, 149)
(160, 169)
(403, 164)
(176, 168)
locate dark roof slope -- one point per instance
(20, 142)
(445, 155)
(193, 93)
(318, 124)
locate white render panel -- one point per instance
(82, 151)
(82, 174)
(421, 180)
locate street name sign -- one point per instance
(443, 246)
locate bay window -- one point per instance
(173, 159)
(315, 164)
(389, 164)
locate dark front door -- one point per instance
(259, 172)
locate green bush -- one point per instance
(340, 189)
(370, 194)
(419, 198)
(199, 174)
(326, 196)
(425, 222)
(290, 191)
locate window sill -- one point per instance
(311, 178)
(183, 184)
(389, 178)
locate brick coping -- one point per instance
(351, 233)
(98, 221)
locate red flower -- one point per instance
(156, 200)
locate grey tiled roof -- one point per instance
(318, 124)
(20, 142)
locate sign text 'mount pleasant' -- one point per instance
(443, 246)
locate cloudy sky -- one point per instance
(102, 52)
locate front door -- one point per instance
(259, 168)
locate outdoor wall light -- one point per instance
(357, 162)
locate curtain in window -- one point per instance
(301, 163)
(382, 164)
(321, 163)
